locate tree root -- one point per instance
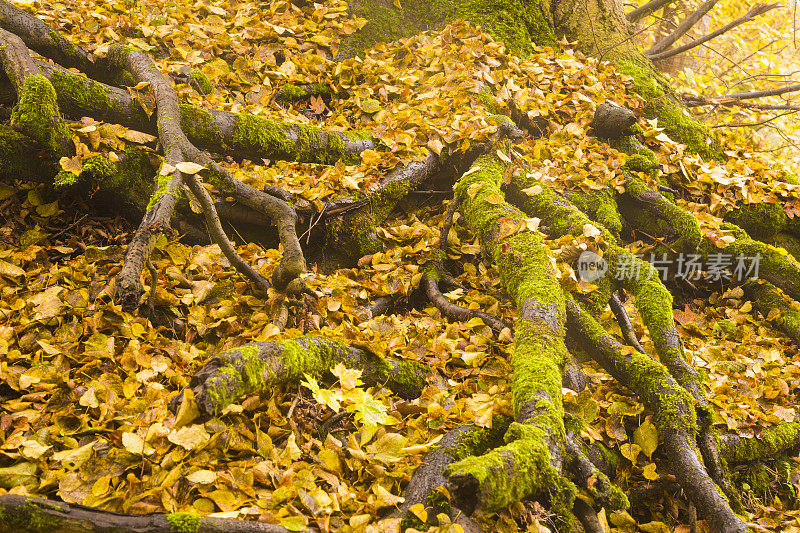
(177, 149)
(624, 321)
(258, 366)
(429, 477)
(771, 443)
(433, 271)
(674, 411)
(531, 461)
(24, 514)
(357, 218)
(36, 114)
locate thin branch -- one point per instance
(750, 15)
(753, 124)
(768, 92)
(698, 101)
(650, 7)
(684, 26)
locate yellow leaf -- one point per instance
(436, 145)
(646, 436)
(533, 191)
(187, 167)
(136, 136)
(473, 189)
(495, 198)
(135, 444)
(188, 437)
(419, 511)
(11, 271)
(370, 106)
(650, 473)
(48, 210)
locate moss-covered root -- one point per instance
(531, 459)
(458, 443)
(232, 134)
(125, 184)
(745, 258)
(675, 222)
(653, 300)
(507, 474)
(600, 206)
(662, 104)
(770, 302)
(762, 221)
(585, 474)
(771, 443)
(255, 137)
(23, 514)
(352, 221)
(258, 366)
(673, 407)
(36, 114)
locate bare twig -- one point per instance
(750, 15)
(650, 7)
(682, 28)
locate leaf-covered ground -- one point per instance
(85, 386)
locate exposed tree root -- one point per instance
(36, 114)
(23, 514)
(624, 321)
(258, 366)
(771, 443)
(433, 272)
(674, 408)
(428, 479)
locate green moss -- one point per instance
(88, 95)
(272, 139)
(517, 23)
(767, 297)
(29, 517)
(36, 114)
(198, 125)
(647, 152)
(499, 119)
(773, 441)
(533, 473)
(200, 81)
(184, 522)
(660, 103)
(627, 144)
(673, 406)
(289, 93)
(600, 206)
(162, 186)
(354, 233)
(662, 218)
(478, 440)
(762, 221)
(639, 163)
